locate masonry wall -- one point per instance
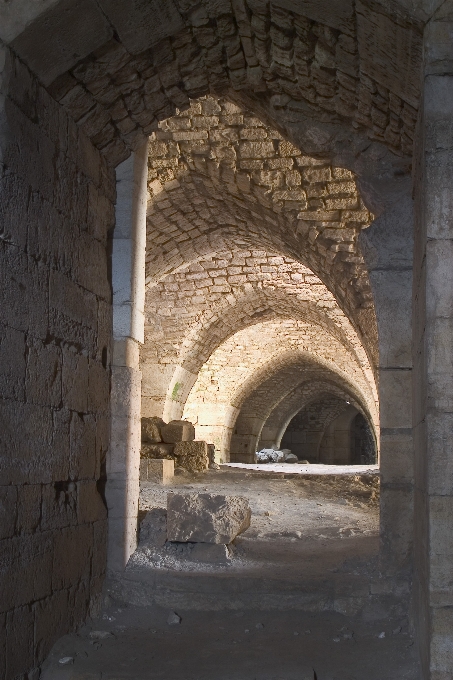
(304, 433)
(56, 209)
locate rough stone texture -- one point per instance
(178, 431)
(157, 470)
(161, 450)
(259, 367)
(153, 528)
(151, 428)
(56, 209)
(305, 431)
(192, 456)
(301, 64)
(206, 517)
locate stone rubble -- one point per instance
(178, 445)
(276, 456)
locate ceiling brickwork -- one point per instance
(354, 62)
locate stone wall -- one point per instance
(56, 209)
(305, 431)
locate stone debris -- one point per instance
(192, 455)
(66, 660)
(206, 517)
(174, 441)
(151, 430)
(276, 456)
(173, 619)
(178, 431)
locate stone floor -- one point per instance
(301, 599)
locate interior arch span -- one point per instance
(220, 177)
(249, 362)
(304, 394)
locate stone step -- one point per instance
(306, 587)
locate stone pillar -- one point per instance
(433, 354)
(128, 281)
(388, 250)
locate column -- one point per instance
(388, 249)
(433, 354)
(128, 282)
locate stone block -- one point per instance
(56, 40)
(193, 456)
(153, 528)
(157, 470)
(178, 431)
(19, 641)
(206, 517)
(151, 430)
(140, 26)
(211, 453)
(157, 451)
(8, 511)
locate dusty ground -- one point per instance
(317, 506)
(296, 599)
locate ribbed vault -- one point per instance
(303, 395)
(252, 371)
(220, 179)
(311, 61)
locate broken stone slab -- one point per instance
(151, 428)
(178, 431)
(206, 517)
(193, 456)
(157, 451)
(157, 470)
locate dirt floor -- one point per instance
(299, 598)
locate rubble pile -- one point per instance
(175, 441)
(276, 456)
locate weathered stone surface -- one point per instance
(206, 518)
(153, 528)
(178, 431)
(151, 430)
(193, 456)
(211, 453)
(157, 470)
(161, 450)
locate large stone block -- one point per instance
(157, 470)
(193, 456)
(178, 431)
(157, 451)
(206, 517)
(151, 430)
